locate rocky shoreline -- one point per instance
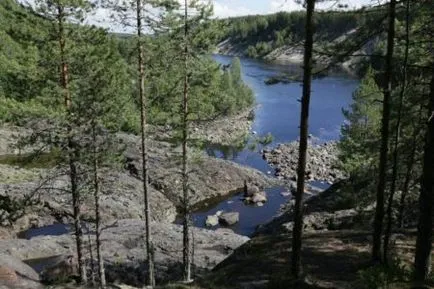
(44, 190)
(225, 130)
(124, 249)
(321, 161)
(222, 130)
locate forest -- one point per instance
(260, 34)
(140, 159)
(28, 72)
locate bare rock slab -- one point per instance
(230, 218)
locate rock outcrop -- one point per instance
(16, 274)
(47, 199)
(229, 219)
(124, 249)
(321, 161)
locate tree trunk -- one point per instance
(186, 202)
(409, 171)
(101, 271)
(72, 151)
(422, 259)
(379, 211)
(397, 138)
(76, 202)
(304, 131)
(145, 179)
(92, 263)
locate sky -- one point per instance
(231, 8)
(228, 8)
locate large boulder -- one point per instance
(8, 276)
(251, 191)
(16, 274)
(260, 197)
(212, 221)
(230, 218)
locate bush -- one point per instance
(382, 276)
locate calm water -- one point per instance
(250, 215)
(278, 108)
(52, 230)
(278, 113)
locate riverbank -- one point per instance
(38, 196)
(336, 251)
(225, 130)
(321, 164)
(209, 177)
(121, 196)
(293, 55)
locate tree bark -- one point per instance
(397, 138)
(424, 241)
(72, 150)
(145, 178)
(409, 170)
(379, 210)
(304, 131)
(186, 202)
(101, 270)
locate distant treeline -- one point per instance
(260, 34)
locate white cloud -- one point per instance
(282, 5)
(231, 8)
(222, 10)
(291, 5)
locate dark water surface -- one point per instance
(56, 229)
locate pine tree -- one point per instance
(145, 178)
(360, 133)
(397, 137)
(102, 80)
(187, 246)
(304, 132)
(387, 87)
(59, 12)
(424, 241)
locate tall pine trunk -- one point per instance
(101, 271)
(379, 210)
(186, 252)
(72, 150)
(304, 131)
(409, 169)
(150, 281)
(397, 138)
(422, 259)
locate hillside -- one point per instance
(29, 59)
(279, 37)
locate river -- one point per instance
(278, 112)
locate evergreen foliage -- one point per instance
(360, 133)
(260, 34)
(28, 62)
